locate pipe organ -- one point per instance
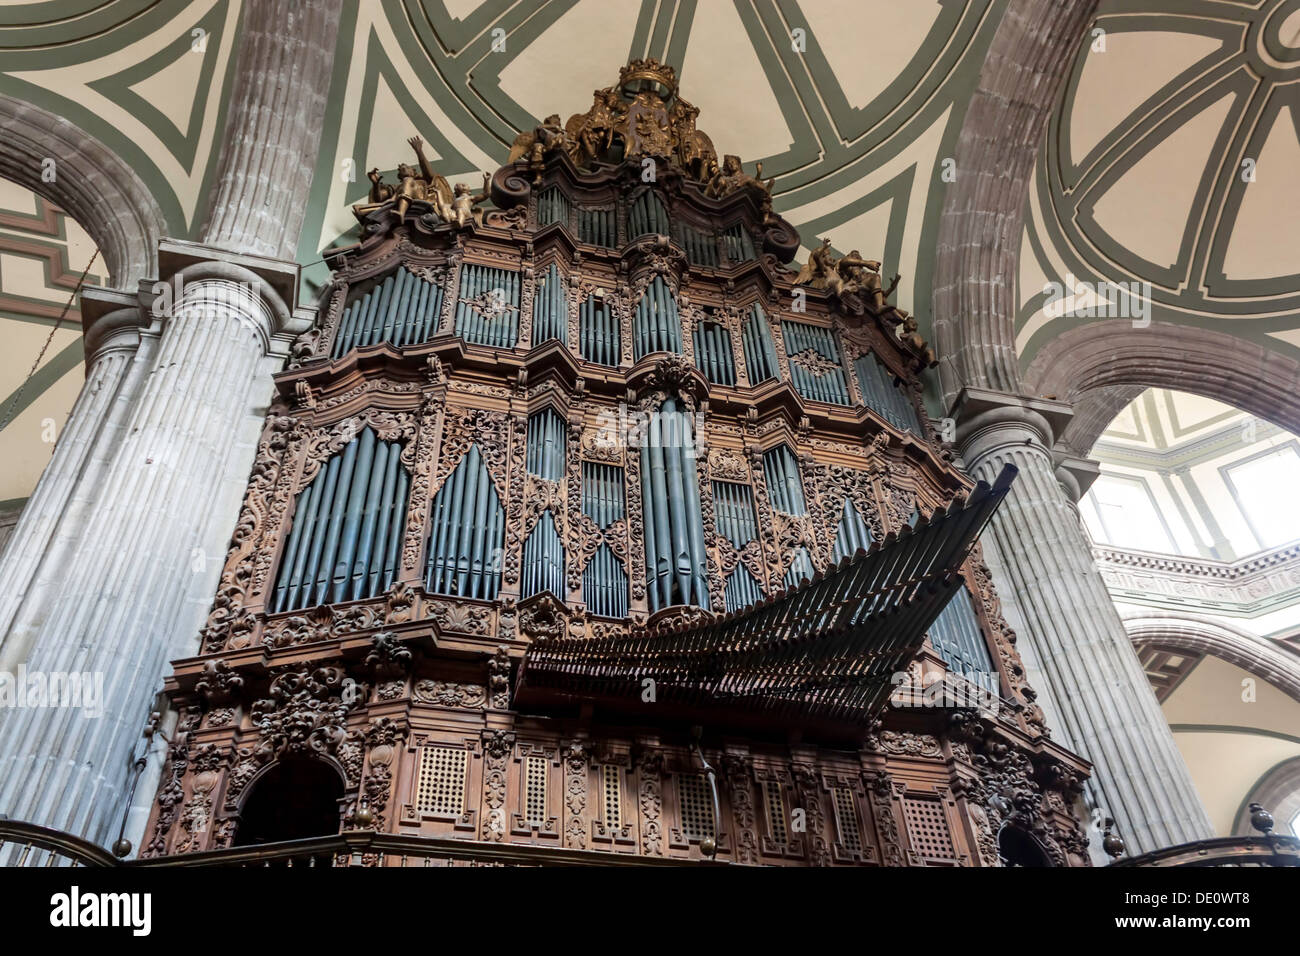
(560, 485)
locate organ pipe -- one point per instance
(781, 470)
(346, 524)
(957, 638)
(800, 570)
(830, 386)
(756, 339)
(543, 564)
(852, 535)
(550, 307)
(713, 354)
(465, 534)
(401, 309)
(488, 310)
(600, 339)
(882, 396)
(676, 562)
(742, 589)
(545, 450)
(656, 325)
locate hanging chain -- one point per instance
(14, 404)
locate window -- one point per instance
(927, 828)
(1261, 485)
(1121, 512)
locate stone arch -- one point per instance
(1217, 365)
(91, 183)
(978, 251)
(1202, 636)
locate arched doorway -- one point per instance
(295, 799)
(1018, 848)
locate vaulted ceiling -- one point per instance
(1172, 161)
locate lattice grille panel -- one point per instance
(441, 786)
(927, 828)
(535, 790)
(775, 807)
(612, 789)
(697, 807)
(846, 819)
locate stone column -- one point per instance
(1098, 699)
(52, 516)
(133, 591)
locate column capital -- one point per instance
(988, 420)
(275, 283)
(111, 320)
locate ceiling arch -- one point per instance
(1168, 168)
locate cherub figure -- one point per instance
(464, 204)
(423, 184)
(819, 268)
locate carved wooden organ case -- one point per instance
(453, 469)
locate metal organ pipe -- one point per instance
(339, 539)
(543, 566)
(853, 535)
(781, 470)
(676, 559)
(760, 353)
(465, 533)
(656, 322)
(550, 310)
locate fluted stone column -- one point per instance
(1098, 700)
(134, 590)
(31, 567)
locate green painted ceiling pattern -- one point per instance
(148, 79)
(1173, 161)
(855, 141)
(42, 255)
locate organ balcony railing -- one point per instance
(26, 844)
